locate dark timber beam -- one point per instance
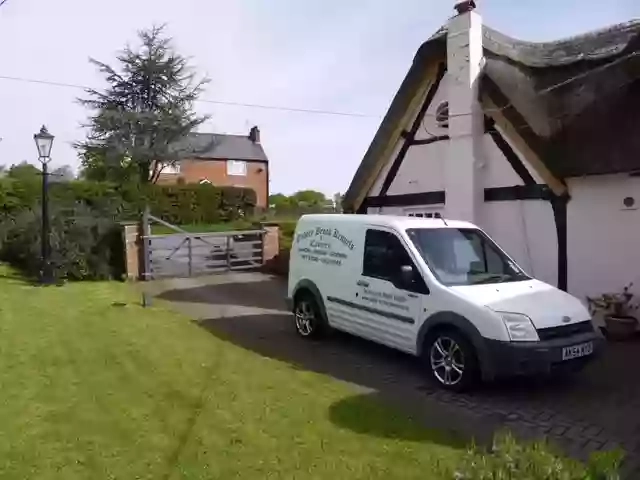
(410, 137)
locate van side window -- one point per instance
(384, 254)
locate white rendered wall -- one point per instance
(603, 236)
(526, 230)
(422, 169)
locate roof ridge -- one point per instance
(616, 27)
(222, 134)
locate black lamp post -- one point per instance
(44, 142)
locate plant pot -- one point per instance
(620, 327)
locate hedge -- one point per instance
(180, 204)
(85, 236)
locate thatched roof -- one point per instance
(575, 101)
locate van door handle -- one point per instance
(362, 283)
(412, 295)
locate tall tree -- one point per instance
(63, 174)
(309, 198)
(96, 167)
(141, 121)
(24, 171)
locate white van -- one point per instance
(438, 289)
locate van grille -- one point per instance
(565, 330)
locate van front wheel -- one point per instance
(308, 320)
(451, 360)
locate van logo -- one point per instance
(566, 319)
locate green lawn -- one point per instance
(96, 390)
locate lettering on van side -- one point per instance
(320, 247)
(384, 298)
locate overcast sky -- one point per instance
(337, 55)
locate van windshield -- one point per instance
(464, 256)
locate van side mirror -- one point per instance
(407, 275)
(410, 279)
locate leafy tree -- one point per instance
(309, 198)
(279, 201)
(62, 174)
(24, 171)
(141, 120)
(95, 167)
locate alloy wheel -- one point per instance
(447, 361)
(305, 318)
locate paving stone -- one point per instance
(592, 431)
(574, 433)
(593, 446)
(558, 430)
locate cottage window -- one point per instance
(171, 169)
(429, 213)
(442, 115)
(236, 167)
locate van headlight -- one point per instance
(520, 327)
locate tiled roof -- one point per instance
(217, 146)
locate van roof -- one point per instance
(395, 221)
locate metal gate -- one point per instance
(185, 254)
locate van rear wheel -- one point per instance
(451, 360)
(308, 319)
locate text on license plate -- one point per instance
(576, 351)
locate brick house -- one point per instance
(223, 160)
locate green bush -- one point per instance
(180, 204)
(85, 236)
(510, 460)
(84, 245)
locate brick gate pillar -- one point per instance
(132, 241)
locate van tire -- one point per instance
(308, 319)
(450, 360)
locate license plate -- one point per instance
(576, 351)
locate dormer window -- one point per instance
(442, 115)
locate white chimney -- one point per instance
(464, 189)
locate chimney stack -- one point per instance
(463, 169)
(254, 134)
(465, 6)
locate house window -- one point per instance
(236, 167)
(442, 115)
(171, 169)
(425, 213)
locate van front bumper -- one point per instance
(504, 359)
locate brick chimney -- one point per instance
(254, 134)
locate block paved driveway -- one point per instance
(596, 409)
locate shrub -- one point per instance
(180, 204)
(85, 238)
(511, 460)
(84, 245)
(287, 230)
